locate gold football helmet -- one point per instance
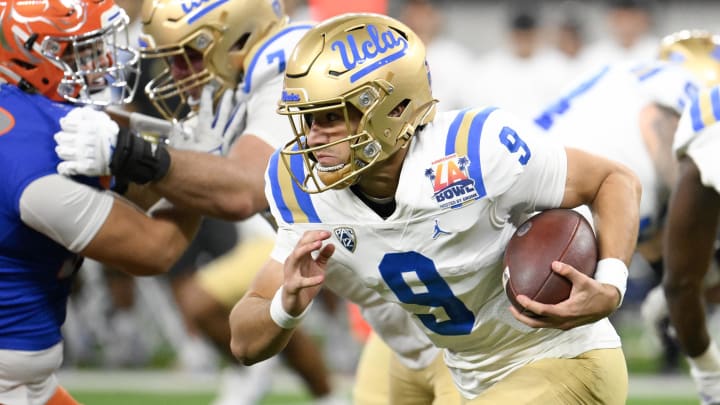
(697, 51)
(369, 62)
(206, 40)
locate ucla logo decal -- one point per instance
(452, 186)
(290, 96)
(346, 236)
(199, 7)
(382, 48)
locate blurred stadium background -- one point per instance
(132, 349)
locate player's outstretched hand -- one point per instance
(304, 271)
(86, 142)
(207, 131)
(589, 301)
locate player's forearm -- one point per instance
(139, 245)
(255, 336)
(213, 185)
(616, 210)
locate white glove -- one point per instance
(208, 132)
(86, 142)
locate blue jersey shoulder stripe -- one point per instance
(297, 165)
(464, 140)
(273, 174)
(705, 109)
(247, 86)
(294, 205)
(647, 72)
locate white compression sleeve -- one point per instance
(73, 214)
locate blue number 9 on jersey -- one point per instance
(437, 292)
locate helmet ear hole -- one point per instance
(239, 45)
(398, 110)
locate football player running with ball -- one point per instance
(50, 222)
(374, 170)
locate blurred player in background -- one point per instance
(645, 100)
(49, 222)
(630, 36)
(355, 173)
(223, 61)
(448, 59)
(691, 235)
(520, 73)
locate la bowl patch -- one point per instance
(452, 186)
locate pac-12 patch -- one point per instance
(346, 236)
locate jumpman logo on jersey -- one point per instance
(437, 231)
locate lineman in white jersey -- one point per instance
(693, 218)
(619, 91)
(240, 47)
(422, 222)
(634, 110)
(645, 100)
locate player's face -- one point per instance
(327, 127)
(185, 65)
(89, 58)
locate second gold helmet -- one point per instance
(208, 39)
(695, 50)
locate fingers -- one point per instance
(325, 254)
(537, 316)
(309, 242)
(67, 168)
(575, 276)
(206, 104)
(307, 282)
(301, 268)
(535, 307)
(532, 321)
(225, 108)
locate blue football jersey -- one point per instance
(35, 272)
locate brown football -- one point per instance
(556, 234)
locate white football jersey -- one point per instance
(259, 92)
(468, 179)
(600, 114)
(261, 89)
(698, 135)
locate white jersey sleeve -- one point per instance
(72, 217)
(535, 175)
(260, 90)
(667, 84)
(262, 119)
(698, 135)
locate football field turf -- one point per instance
(172, 388)
(119, 398)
